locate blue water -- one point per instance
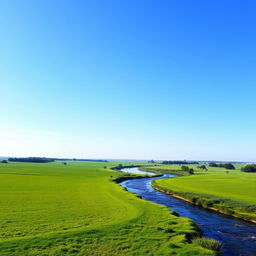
(238, 238)
(136, 171)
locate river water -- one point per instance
(238, 238)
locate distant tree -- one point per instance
(249, 168)
(229, 166)
(191, 171)
(4, 162)
(187, 169)
(202, 167)
(105, 167)
(119, 167)
(64, 163)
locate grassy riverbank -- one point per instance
(228, 191)
(75, 209)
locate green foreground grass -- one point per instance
(233, 192)
(52, 209)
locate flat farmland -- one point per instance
(56, 209)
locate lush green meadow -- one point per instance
(52, 209)
(217, 183)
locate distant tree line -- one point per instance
(4, 162)
(224, 165)
(47, 160)
(249, 168)
(179, 162)
(91, 160)
(31, 159)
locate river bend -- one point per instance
(238, 238)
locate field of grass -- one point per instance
(52, 209)
(238, 188)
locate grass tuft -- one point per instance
(207, 243)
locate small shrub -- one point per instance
(207, 243)
(194, 199)
(175, 213)
(208, 203)
(201, 202)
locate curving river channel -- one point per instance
(238, 238)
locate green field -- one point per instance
(235, 186)
(52, 209)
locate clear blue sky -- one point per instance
(128, 79)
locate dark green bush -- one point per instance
(249, 168)
(194, 199)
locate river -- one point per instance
(238, 238)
